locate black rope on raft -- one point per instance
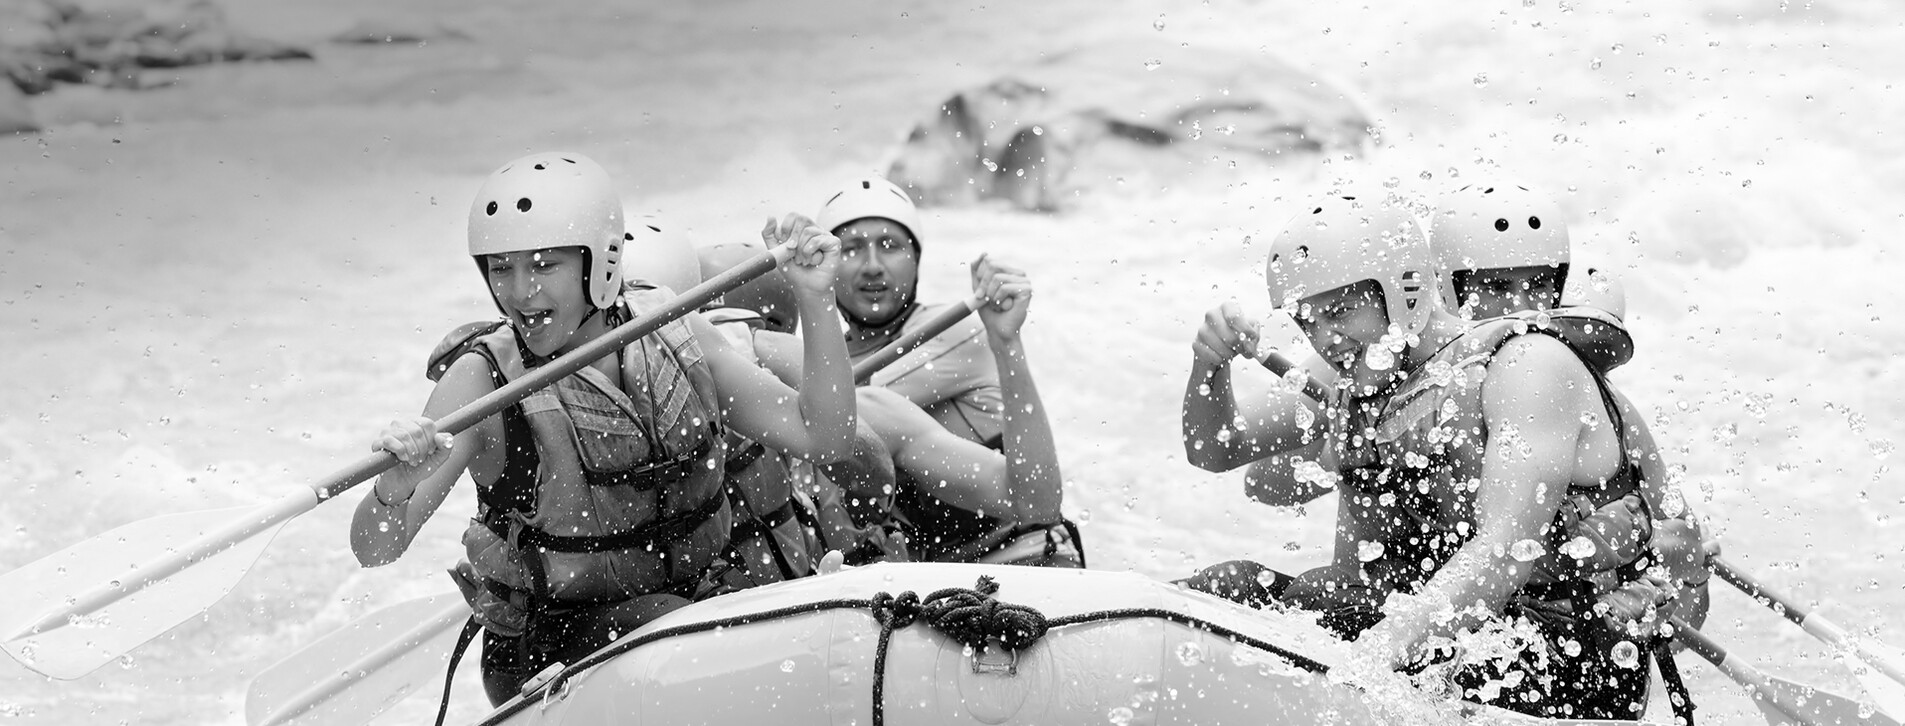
(973, 617)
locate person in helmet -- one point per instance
(1464, 454)
(951, 376)
(1504, 250)
(959, 501)
(600, 502)
(954, 378)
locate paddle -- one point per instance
(369, 665)
(906, 343)
(1782, 702)
(78, 609)
(1880, 668)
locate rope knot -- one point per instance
(974, 618)
(895, 612)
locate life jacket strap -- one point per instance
(666, 529)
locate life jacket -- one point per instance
(1400, 448)
(605, 496)
(1397, 448)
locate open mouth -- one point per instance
(530, 321)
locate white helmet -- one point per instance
(659, 259)
(554, 200)
(1488, 226)
(870, 197)
(1342, 241)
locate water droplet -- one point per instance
(1617, 48)
(1594, 65)
(1626, 654)
(1725, 434)
(1190, 653)
(1391, 183)
(1527, 550)
(125, 661)
(1579, 548)
(1881, 448)
(1159, 23)
(1481, 80)
(1369, 550)
(1153, 64)
(787, 666)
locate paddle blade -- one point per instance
(1876, 665)
(1786, 703)
(361, 669)
(81, 642)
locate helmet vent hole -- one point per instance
(1490, 190)
(628, 236)
(1501, 225)
(540, 167)
(1534, 223)
(1318, 210)
(522, 205)
(491, 209)
(572, 161)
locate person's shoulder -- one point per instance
(1530, 367)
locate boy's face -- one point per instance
(1344, 325)
(541, 292)
(1495, 292)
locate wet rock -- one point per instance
(56, 41)
(1030, 135)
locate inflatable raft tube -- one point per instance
(1117, 648)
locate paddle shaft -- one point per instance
(1276, 363)
(906, 343)
(1811, 622)
(1734, 668)
(357, 473)
(443, 621)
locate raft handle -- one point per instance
(977, 657)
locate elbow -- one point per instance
(373, 553)
(1208, 458)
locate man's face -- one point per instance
(1344, 325)
(879, 269)
(1499, 291)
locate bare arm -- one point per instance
(964, 474)
(405, 497)
(1531, 401)
(1219, 433)
(818, 423)
(1034, 484)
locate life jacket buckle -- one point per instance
(1009, 665)
(542, 678)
